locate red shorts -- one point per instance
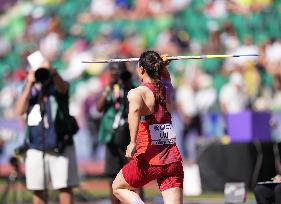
(138, 173)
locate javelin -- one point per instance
(171, 58)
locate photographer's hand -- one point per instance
(22, 102)
(30, 77)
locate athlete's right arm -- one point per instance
(166, 80)
(135, 102)
(22, 102)
(165, 74)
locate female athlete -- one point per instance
(152, 149)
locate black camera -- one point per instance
(42, 75)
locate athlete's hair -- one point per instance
(152, 62)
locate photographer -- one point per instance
(50, 155)
(114, 128)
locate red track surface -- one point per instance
(92, 168)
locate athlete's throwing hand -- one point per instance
(131, 148)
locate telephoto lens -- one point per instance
(42, 75)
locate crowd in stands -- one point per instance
(69, 32)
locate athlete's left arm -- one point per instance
(135, 101)
(165, 74)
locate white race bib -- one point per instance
(162, 134)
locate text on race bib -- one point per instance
(162, 134)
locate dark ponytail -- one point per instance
(152, 62)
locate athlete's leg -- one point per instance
(123, 191)
(173, 195)
(171, 184)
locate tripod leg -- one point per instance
(5, 193)
(18, 191)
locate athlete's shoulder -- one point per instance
(134, 94)
(139, 92)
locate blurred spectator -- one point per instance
(142, 8)
(229, 38)
(273, 58)
(131, 9)
(114, 127)
(79, 51)
(240, 64)
(48, 145)
(5, 47)
(247, 47)
(206, 95)
(132, 44)
(216, 9)
(252, 81)
(177, 5)
(189, 112)
(37, 23)
(8, 94)
(103, 8)
(166, 42)
(195, 97)
(7, 101)
(276, 94)
(50, 43)
(90, 113)
(233, 98)
(246, 6)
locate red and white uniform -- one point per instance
(156, 140)
(157, 156)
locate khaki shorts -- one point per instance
(60, 169)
